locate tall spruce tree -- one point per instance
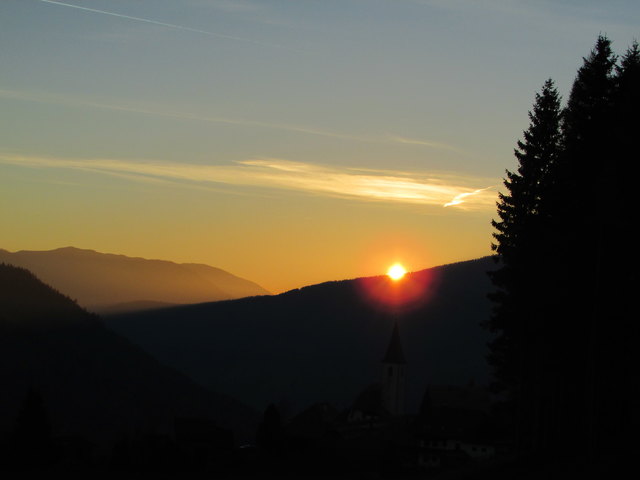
(522, 246)
(618, 332)
(563, 309)
(588, 183)
(627, 125)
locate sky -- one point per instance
(289, 142)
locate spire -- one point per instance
(394, 352)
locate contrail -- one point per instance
(168, 25)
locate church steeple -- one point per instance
(394, 351)
(394, 368)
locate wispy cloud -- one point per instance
(84, 103)
(167, 25)
(464, 197)
(367, 185)
(424, 143)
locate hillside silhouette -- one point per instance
(92, 382)
(105, 282)
(324, 342)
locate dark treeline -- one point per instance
(563, 306)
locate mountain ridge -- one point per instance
(95, 382)
(100, 281)
(324, 341)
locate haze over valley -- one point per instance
(108, 283)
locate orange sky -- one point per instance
(280, 240)
(289, 143)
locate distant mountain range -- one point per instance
(107, 283)
(326, 342)
(94, 382)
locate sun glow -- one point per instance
(396, 271)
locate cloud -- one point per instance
(84, 103)
(425, 143)
(350, 183)
(463, 197)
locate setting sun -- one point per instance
(396, 271)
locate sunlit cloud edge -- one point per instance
(459, 192)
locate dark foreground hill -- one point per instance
(94, 382)
(325, 342)
(104, 282)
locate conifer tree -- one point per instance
(618, 333)
(588, 182)
(31, 442)
(563, 308)
(626, 127)
(523, 228)
(587, 135)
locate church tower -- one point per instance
(394, 368)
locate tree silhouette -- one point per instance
(562, 308)
(270, 436)
(31, 442)
(616, 333)
(526, 219)
(587, 179)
